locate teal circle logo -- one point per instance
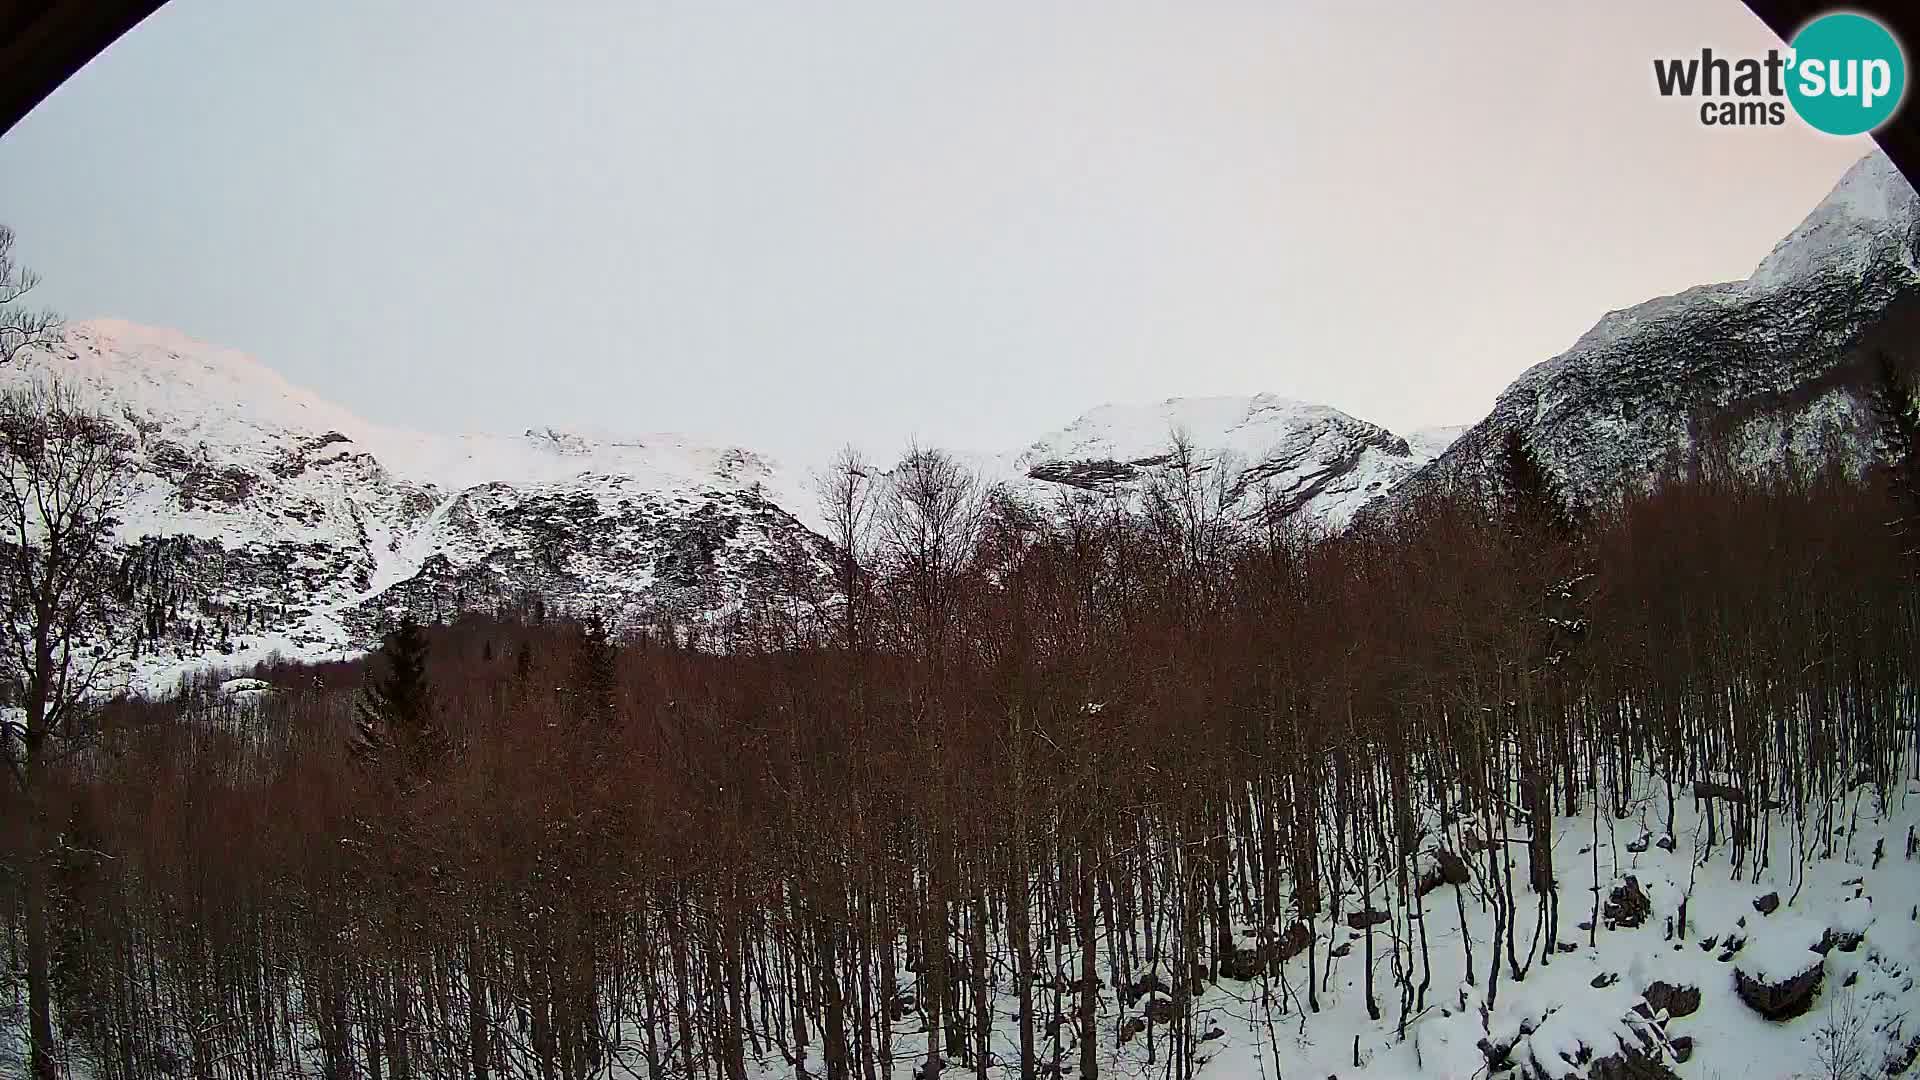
(1848, 74)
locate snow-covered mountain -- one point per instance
(1310, 464)
(1770, 367)
(266, 518)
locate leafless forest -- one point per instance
(1026, 762)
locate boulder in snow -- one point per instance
(1360, 920)
(1675, 1000)
(1779, 971)
(1785, 999)
(1584, 1042)
(244, 689)
(1627, 905)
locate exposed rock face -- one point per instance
(1777, 364)
(1629, 1064)
(600, 542)
(1360, 920)
(1247, 963)
(1780, 970)
(1571, 1042)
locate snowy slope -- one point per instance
(1430, 442)
(1607, 998)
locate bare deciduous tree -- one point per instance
(63, 478)
(20, 326)
(846, 493)
(1840, 1044)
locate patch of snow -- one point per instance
(1428, 443)
(237, 687)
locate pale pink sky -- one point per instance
(789, 225)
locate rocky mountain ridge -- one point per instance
(1768, 369)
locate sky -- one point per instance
(794, 226)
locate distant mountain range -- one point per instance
(269, 519)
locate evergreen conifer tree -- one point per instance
(1544, 528)
(394, 716)
(1536, 502)
(523, 665)
(594, 677)
(1899, 416)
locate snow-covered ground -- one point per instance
(1664, 987)
(1858, 904)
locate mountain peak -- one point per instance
(206, 393)
(1870, 206)
(1307, 462)
(108, 342)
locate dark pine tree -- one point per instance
(394, 717)
(1899, 416)
(1545, 529)
(1536, 505)
(523, 665)
(594, 685)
